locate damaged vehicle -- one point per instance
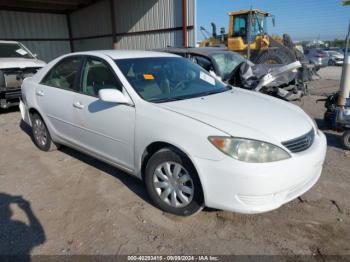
(282, 81)
(16, 63)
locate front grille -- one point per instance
(301, 143)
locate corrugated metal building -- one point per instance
(52, 28)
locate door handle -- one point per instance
(39, 93)
(78, 105)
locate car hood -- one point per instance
(20, 63)
(242, 113)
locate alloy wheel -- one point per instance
(40, 132)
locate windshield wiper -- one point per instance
(164, 100)
(215, 91)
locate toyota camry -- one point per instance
(193, 140)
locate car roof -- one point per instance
(126, 54)
(205, 51)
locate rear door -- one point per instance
(55, 95)
(106, 129)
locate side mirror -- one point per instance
(273, 21)
(35, 55)
(113, 96)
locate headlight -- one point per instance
(247, 150)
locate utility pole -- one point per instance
(345, 78)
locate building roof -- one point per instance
(45, 6)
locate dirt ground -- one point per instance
(78, 205)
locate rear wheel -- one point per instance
(41, 135)
(173, 183)
(346, 140)
(274, 56)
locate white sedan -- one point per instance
(193, 140)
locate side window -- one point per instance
(63, 74)
(96, 76)
(240, 26)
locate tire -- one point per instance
(327, 121)
(346, 140)
(41, 135)
(183, 194)
(331, 62)
(275, 56)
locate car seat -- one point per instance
(99, 77)
(147, 88)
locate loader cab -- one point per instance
(247, 26)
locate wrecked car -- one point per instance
(16, 63)
(282, 81)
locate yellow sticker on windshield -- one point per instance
(148, 77)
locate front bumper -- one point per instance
(241, 187)
(24, 112)
(9, 97)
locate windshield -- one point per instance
(13, 50)
(226, 62)
(164, 79)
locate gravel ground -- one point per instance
(74, 204)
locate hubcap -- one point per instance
(40, 132)
(173, 184)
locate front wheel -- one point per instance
(41, 135)
(346, 140)
(173, 184)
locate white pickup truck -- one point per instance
(16, 63)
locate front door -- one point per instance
(106, 129)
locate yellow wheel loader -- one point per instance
(247, 35)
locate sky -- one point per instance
(301, 19)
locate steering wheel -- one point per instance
(180, 84)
